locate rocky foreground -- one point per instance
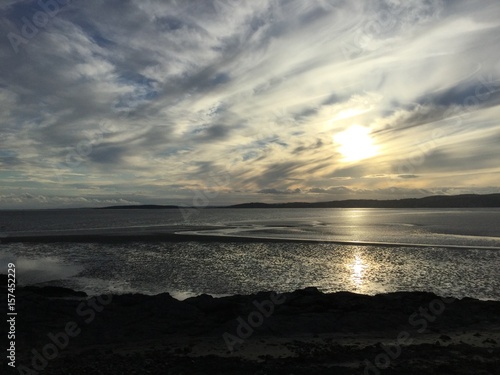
(59, 331)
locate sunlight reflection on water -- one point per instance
(358, 268)
(221, 268)
(192, 268)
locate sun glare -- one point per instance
(355, 143)
(358, 268)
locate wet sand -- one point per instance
(189, 233)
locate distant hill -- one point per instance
(141, 207)
(435, 201)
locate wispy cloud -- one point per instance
(144, 101)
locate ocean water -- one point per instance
(451, 252)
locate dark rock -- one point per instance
(134, 317)
(207, 303)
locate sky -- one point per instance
(215, 102)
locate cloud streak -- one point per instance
(257, 91)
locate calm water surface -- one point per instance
(219, 268)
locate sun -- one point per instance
(355, 143)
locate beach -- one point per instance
(65, 332)
(253, 292)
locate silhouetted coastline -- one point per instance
(436, 201)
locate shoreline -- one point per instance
(293, 332)
(192, 234)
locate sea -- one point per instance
(450, 252)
